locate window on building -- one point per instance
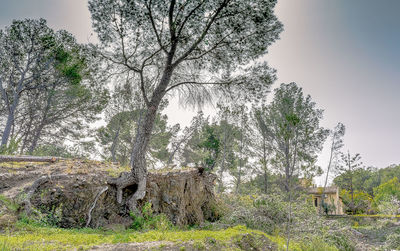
(316, 202)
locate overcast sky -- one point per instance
(345, 54)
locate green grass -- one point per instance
(31, 237)
(8, 203)
(314, 244)
(17, 165)
(375, 215)
(35, 237)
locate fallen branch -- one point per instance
(9, 158)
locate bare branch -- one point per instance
(204, 33)
(198, 83)
(154, 27)
(188, 16)
(171, 21)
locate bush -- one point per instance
(270, 214)
(391, 206)
(317, 244)
(11, 148)
(362, 201)
(393, 241)
(340, 240)
(256, 213)
(149, 221)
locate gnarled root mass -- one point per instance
(94, 204)
(126, 180)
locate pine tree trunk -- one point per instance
(36, 137)
(12, 109)
(240, 161)
(138, 174)
(39, 129)
(115, 143)
(265, 165)
(10, 122)
(327, 175)
(26, 135)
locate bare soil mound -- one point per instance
(75, 193)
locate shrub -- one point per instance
(340, 240)
(270, 213)
(362, 201)
(390, 206)
(254, 213)
(317, 244)
(393, 241)
(149, 221)
(388, 189)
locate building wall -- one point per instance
(331, 199)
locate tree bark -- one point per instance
(115, 143)
(36, 138)
(12, 109)
(8, 158)
(138, 174)
(10, 122)
(240, 161)
(42, 124)
(265, 165)
(327, 174)
(221, 172)
(26, 134)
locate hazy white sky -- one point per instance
(345, 54)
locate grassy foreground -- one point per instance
(34, 237)
(30, 237)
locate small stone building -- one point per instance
(331, 198)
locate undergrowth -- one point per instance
(34, 237)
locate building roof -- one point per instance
(318, 190)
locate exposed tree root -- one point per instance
(138, 195)
(30, 191)
(125, 180)
(94, 204)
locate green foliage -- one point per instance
(317, 244)
(11, 148)
(58, 95)
(149, 221)
(393, 241)
(54, 150)
(211, 146)
(292, 122)
(270, 213)
(341, 241)
(35, 237)
(362, 201)
(49, 219)
(328, 208)
(387, 197)
(9, 204)
(385, 191)
(368, 179)
(117, 136)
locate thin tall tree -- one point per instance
(190, 48)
